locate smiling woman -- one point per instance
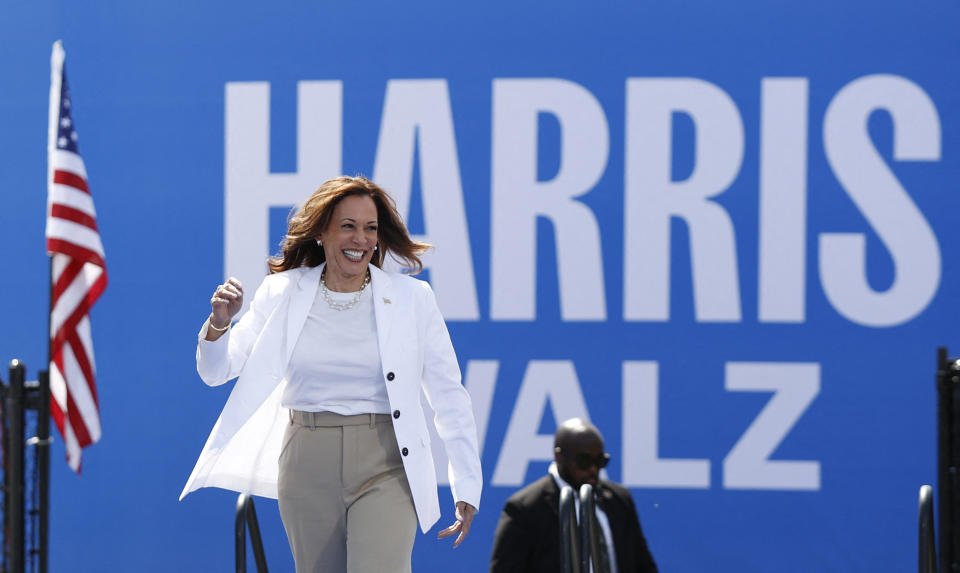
(325, 415)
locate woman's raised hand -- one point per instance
(226, 303)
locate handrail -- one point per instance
(569, 540)
(588, 544)
(589, 533)
(247, 515)
(927, 542)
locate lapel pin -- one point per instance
(386, 301)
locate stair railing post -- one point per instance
(926, 542)
(948, 451)
(43, 465)
(14, 476)
(569, 533)
(240, 534)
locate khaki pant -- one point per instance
(344, 497)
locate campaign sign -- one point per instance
(723, 232)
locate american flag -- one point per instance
(78, 275)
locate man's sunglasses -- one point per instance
(585, 461)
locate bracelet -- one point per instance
(218, 329)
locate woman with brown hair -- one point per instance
(331, 358)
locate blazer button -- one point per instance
(404, 451)
(396, 413)
(390, 376)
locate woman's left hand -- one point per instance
(464, 513)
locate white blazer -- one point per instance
(243, 449)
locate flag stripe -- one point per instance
(80, 310)
(71, 180)
(77, 234)
(77, 423)
(63, 280)
(56, 412)
(65, 160)
(81, 403)
(73, 296)
(58, 407)
(58, 396)
(72, 412)
(72, 198)
(75, 251)
(73, 448)
(85, 364)
(61, 211)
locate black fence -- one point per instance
(948, 460)
(25, 411)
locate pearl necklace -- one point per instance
(342, 305)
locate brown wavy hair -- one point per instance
(299, 248)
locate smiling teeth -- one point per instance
(353, 254)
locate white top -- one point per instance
(335, 365)
(602, 520)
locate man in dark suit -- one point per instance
(528, 534)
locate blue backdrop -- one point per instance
(723, 231)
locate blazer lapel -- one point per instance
(300, 302)
(383, 305)
(613, 506)
(550, 524)
(552, 495)
(608, 500)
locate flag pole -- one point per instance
(43, 409)
(43, 448)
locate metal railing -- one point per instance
(15, 486)
(588, 529)
(569, 538)
(948, 460)
(26, 470)
(590, 552)
(247, 517)
(580, 538)
(927, 551)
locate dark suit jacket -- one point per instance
(528, 534)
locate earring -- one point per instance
(375, 247)
(319, 243)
